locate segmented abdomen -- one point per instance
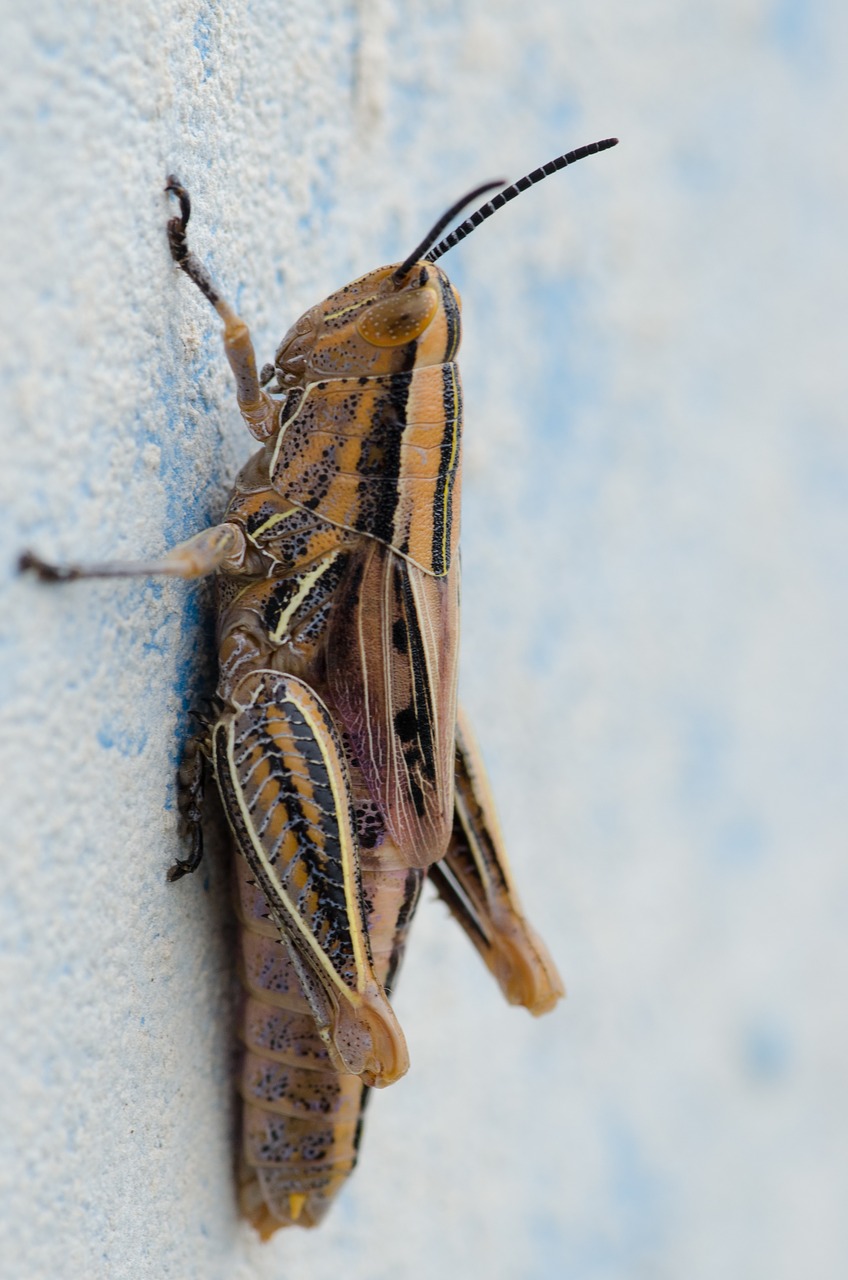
(301, 1118)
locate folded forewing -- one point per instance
(474, 880)
(392, 681)
(284, 785)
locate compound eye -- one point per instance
(399, 319)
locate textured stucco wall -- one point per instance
(655, 614)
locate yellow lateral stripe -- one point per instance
(343, 311)
(280, 892)
(300, 595)
(281, 434)
(272, 521)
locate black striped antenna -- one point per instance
(485, 211)
(437, 230)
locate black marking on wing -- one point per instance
(416, 720)
(399, 635)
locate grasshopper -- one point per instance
(345, 771)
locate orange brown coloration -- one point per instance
(343, 773)
(382, 454)
(335, 752)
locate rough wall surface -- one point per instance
(655, 574)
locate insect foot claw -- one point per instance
(178, 870)
(177, 226)
(180, 252)
(174, 187)
(29, 562)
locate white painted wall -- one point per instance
(654, 628)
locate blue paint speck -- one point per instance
(766, 1051)
(703, 750)
(203, 41)
(127, 742)
(792, 26)
(740, 841)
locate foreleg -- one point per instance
(222, 547)
(261, 414)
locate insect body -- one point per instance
(345, 772)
